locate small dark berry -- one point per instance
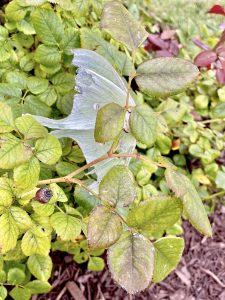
(43, 195)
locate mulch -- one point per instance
(199, 276)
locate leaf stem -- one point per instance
(131, 77)
(59, 209)
(68, 178)
(214, 195)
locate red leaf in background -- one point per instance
(217, 9)
(205, 58)
(157, 41)
(163, 53)
(220, 76)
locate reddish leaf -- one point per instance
(205, 58)
(217, 9)
(174, 48)
(163, 53)
(200, 44)
(157, 41)
(220, 76)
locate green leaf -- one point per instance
(30, 128)
(96, 264)
(48, 26)
(49, 96)
(131, 262)
(192, 203)
(143, 124)
(37, 85)
(33, 105)
(9, 232)
(26, 26)
(220, 179)
(13, 152)
(18, 79)
(3, 276)
(109, 122)
(118, 186)
(35, 241)
(47, 56)
(122, 25)
(27, 62)
(63, 168)
(38, 287)
(43, 209)
(85, 201)
(70, 41)
(15, 276)
(67, 227)
(63, 82)
(76, 155)
(26, 175)
(9, 90)
(165, 76)
(58, 194)
(6, 118)
(19, 293)
(40, 266)
(104, 228)
(21, 217)
(5, 51)
(155, 214)
(3, 292)
(48, 150)
(168, 252)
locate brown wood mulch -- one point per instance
(200, 275)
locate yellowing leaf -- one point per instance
(192, 203)
(48, 150)
(5, 199)
(13, 152)
(40, 266)
(26, 175)
(104, 228)
(35, 241)
(155, 214)
(21, 217)
(122, 25)
(67, 227)
(9, 232)
(168, 252)
(131, 262)
(6, 118)
(58, 194)
(30, 128)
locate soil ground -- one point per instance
(200, 275)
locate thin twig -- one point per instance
(61, 293)
(214, 277)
